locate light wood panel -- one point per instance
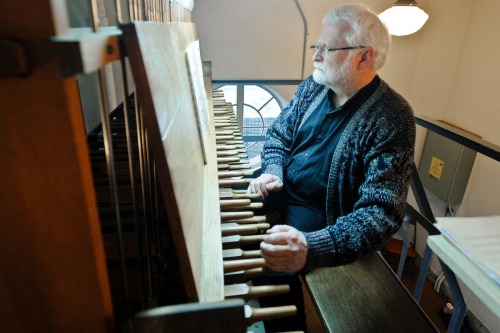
(157, 53)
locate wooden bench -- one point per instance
(365, 296)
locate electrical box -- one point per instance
(445, 167)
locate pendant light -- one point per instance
(404, 18)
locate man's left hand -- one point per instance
(284, 249)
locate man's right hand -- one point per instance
(264, 184)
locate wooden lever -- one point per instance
(228, 216)
(253, 219)
(239, 166)
(229, 229)
(231, 266)
(229, 174)
(253, 205)
(240, 254)
(234, 182)
(243, 290)
(253, 315)
(224, 132)
(242, 276)
(228, 193)
(231, 147)
(246, 195)
(230, 203)
(231, 242)
(223, 153)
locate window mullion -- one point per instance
(240, 101)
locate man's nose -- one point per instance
(317, 55)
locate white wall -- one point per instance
(260, 39)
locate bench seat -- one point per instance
(365, 296)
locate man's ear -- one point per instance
(367, 58)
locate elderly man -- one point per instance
(338, 158)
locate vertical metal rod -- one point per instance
(133, 183)
(306, 34)
(162, 10)
(153, 10)
(130, 4)
(149, 163)
(154, 5)
(142, 165)
(143, 10)
(156, 210)
(458, 315)
(149, 16)
(404, 250)
(424, 266)
(420, 197)
(123, 13)
(110, 163)
(157, 6)
(170, 10)
(119, 13)
(95, 15)
(134, 10)
(166, 11)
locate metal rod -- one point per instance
(133, 183)
(424, 266)
(156, 210)
(110, 163)
(143, 16)
(460, 136)
(458, 315)
(306, 34)
(420, 197)
(142, 165)
(121, 11)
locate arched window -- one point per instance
(255, 107)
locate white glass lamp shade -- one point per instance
(403, 19)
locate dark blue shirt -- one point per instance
(306, 177)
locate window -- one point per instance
(256, 108)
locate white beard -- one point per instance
(338, 79)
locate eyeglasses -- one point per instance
(324, 48)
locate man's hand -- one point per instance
(284, 249)
(264, 184)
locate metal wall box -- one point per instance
(445, 167)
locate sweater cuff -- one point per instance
(274, 169)
(320, 246)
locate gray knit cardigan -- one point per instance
(369, 173)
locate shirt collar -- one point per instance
(359, 98)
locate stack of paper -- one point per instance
(478, 238)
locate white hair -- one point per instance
(366, 30)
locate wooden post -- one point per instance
(53, 276)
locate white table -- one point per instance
(459, 265)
